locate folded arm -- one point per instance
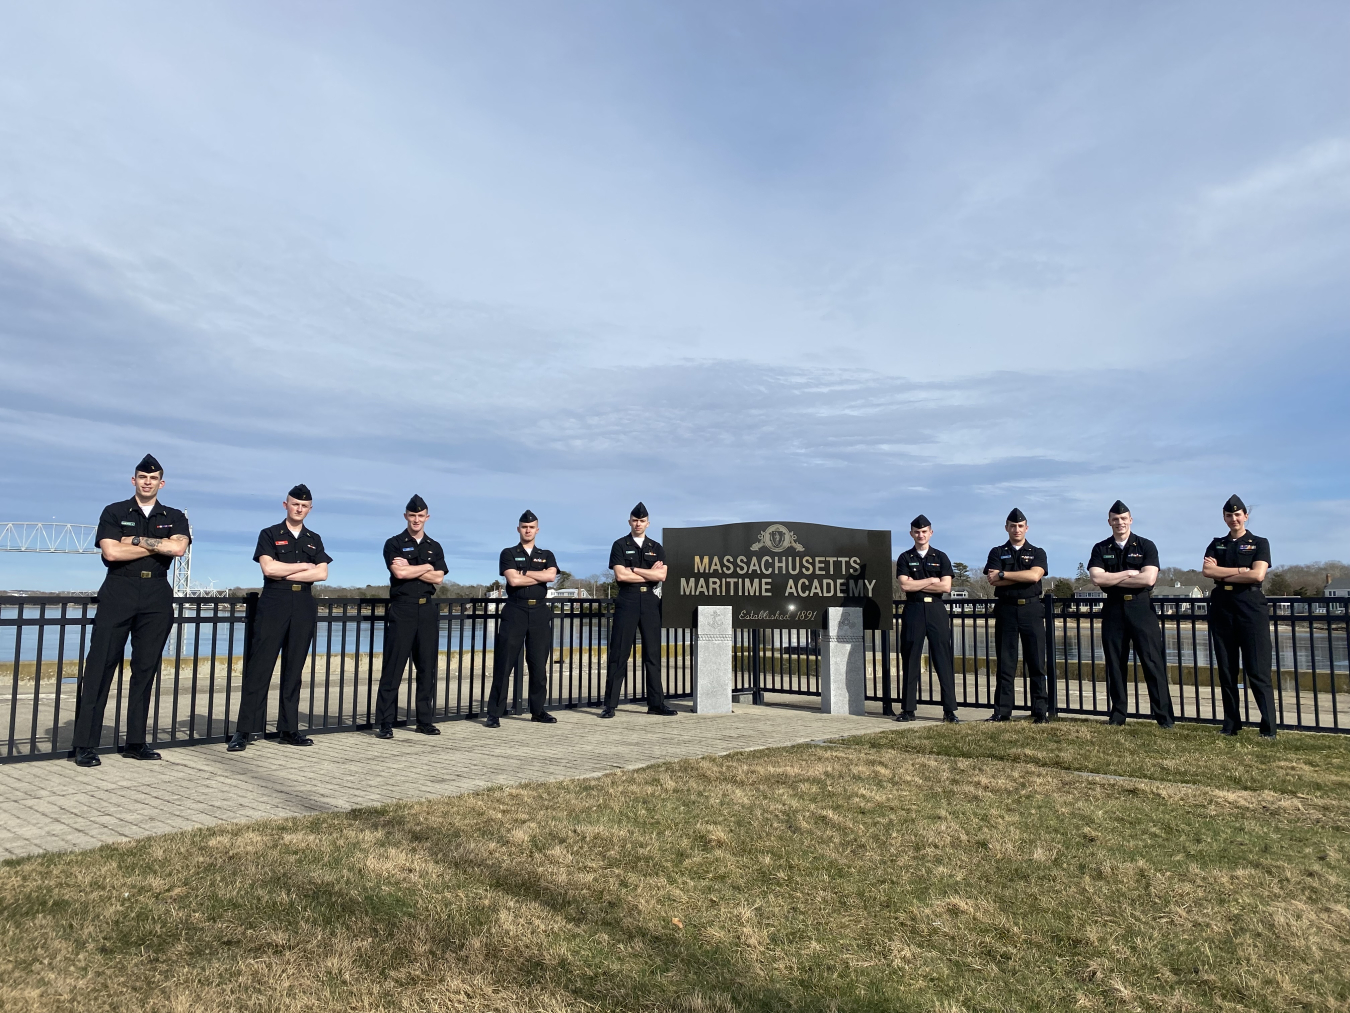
(1253, 574)
(121, 550)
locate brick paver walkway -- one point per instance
(53, 805)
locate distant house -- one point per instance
(1338, 588)
(960, 592)
(1177, 590)
(1091, 592)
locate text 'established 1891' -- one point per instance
(775, 574)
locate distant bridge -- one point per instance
(51, 536)
(39, 536)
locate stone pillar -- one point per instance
(712, 659)
(842, 662)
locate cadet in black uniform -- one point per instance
(1239, 620)
(1125, 566)
(412, 622)
(925, 575)
(139, 538)
(639, 565)
(1015, 569)
(292, 560)
(526, 618)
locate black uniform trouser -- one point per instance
(284, 624)
(1024, 624)
(531, 625)
(412, 630)
(926, 619)
(1134, 622)
(141, 608)
(635, 610)
(1239, 622)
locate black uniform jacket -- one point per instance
(1005, 557)
(626, 552)
(124, 519)
(278, 542)
(933, 563)
(1137, 554)
(416, 553)
(1234, 552)
(516, 558)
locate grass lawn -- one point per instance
(953, 868)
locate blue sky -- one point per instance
(838, 263)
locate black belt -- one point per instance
(923, 598)
(1237, 588)
(1128, 597)
(1018, 601)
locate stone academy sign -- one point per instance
(777, 574)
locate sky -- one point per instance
(838, 263)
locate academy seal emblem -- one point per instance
(776, 538)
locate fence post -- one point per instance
(756, 691)
(887, 704)
(1050, 674)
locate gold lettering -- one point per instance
(740, 565)
(700, 564)
(765, 587)
(686, 585)
(728, 566)
(754, 564)
(791, 591)
(786, 565)
(815, 588)
(855, 566)
(870, 584)
(820, 565)
(714, 585)
(806, 565)
(716, 566)
(702, 586)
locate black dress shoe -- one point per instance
(86, 757)
(1167, 726)
(996, 717)
(608, 712)
(492, 722)
(238, 743)
(1116, 722)
(384, 732)
(141, 752)
(1268, 735)
(904, 716)
(295, 739)
(427, 729)
(1041, 719)
(950, 719)
(1228, 731)
(544, 719)
(665, 712)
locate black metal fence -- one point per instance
(196, 693)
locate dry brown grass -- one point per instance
(876, 875)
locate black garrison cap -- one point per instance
(1016, 517)
(300, 492)
(639, 511)
(920, 522)
(1234, 505)
(1118, 508)
(149, 465)
(528, 517)
(416, 505)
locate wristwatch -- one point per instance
(136, 540)
(1000, 575)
